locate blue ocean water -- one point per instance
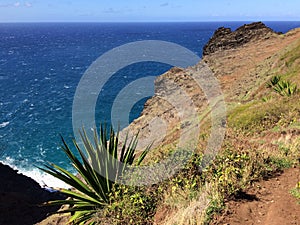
(42, 63)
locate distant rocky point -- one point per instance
(225, 38)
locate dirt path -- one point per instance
(269, 202)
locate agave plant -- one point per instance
(100, 164)
(285, 88)
(274, 80)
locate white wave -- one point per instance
(45, 180)
(4, 124)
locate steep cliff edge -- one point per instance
(240, 69)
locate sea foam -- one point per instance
(4, 124)
(43, 179)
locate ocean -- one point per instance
(41, 65)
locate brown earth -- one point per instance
(268, 202)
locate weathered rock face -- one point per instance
(224, 38)
(161, 120)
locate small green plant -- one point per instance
(285, 88)
(92, 190)
(266, 98)
(131, 205)
(228, 170)
(282, 87)
(296, 191)
(277, 163)
(215, 207)
(274, 80)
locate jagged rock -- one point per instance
(224, 38)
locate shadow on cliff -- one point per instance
(21, 199)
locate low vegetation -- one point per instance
(282, 87)
(296, 192)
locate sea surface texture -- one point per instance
(41, 65)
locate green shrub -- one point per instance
(282, 87)
(131, 205)
(296, 191)
(228, 170)
(285, 88)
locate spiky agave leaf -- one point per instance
(274, 80)
(97, 160)
(285, 88)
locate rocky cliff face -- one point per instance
(238, 59)
(225, 38)
(175, 92)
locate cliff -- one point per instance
(21, 199)
(243, 61)
(237, 63)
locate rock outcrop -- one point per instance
(21, 199)
(225, 38)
